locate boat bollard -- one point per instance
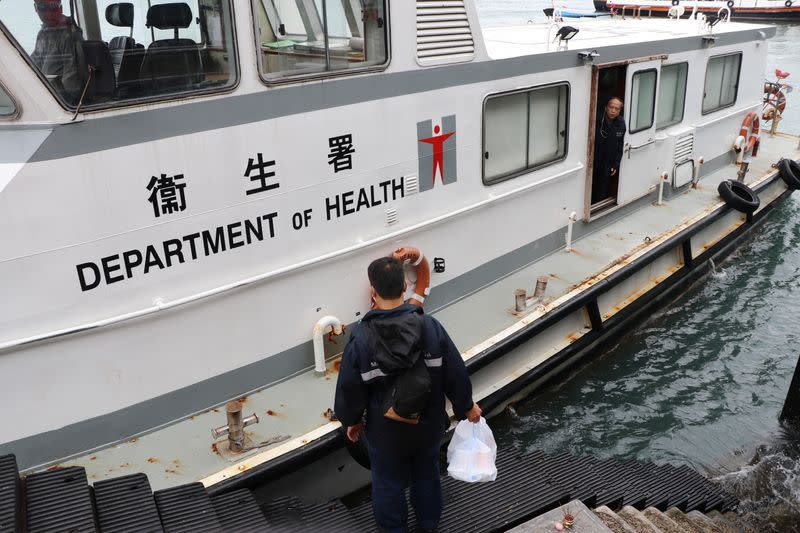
(541, 286)
(235, 428)
(743, 168)
(520, 298)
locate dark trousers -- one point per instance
(391, 474)
(601, 183)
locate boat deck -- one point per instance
(517, 41)
(292, 413)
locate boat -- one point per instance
(191, 192)
(739, 10)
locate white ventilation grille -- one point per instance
(410, 185)
(684, 148)
(443, 33)
(391, 216)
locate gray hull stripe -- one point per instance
(149, 415)
(95, 134)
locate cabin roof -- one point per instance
(537, 38)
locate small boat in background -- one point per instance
(739, 10)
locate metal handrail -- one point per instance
(629, 147)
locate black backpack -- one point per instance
(408, 394)
(397, 347)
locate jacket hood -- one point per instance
(394, 336)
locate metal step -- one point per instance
(10, 497)
(238, 511)
(290, 514)
(529, 484)
(59, 500)
(125, 504)
(187, 508)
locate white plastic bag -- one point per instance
(472, 452)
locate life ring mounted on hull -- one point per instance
(774, 98)
(748, 140)
(410, 255)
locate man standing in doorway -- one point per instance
(401, 451)
(609, 140)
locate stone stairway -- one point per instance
(628, 519)
(651, 520)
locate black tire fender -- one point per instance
(730, 4)
(739, 196)
(676, 2)
(788, 3)
(790, 173)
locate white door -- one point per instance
(637, 169)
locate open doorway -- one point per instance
(604, 139)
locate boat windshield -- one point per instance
(7, 107)
(99, 52)
(316, 37)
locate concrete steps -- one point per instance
(628, 519)
(651, 520)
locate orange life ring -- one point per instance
(413, 256)
(748, 135)
(773, 97)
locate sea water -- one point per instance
(702, 381)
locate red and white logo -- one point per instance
(436, 149)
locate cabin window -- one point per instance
(722, 82)
(7, 107)
(311, 38)
(671, 94)
(524, 130)
(643, 100)
(100, 53)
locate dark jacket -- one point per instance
(609, 141)
(361, 382)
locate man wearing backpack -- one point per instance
(398, 367)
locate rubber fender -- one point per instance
(739, 196)
(790, 173)
(730, 4)
(788, 3)
(358, 449)
(675, 2)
